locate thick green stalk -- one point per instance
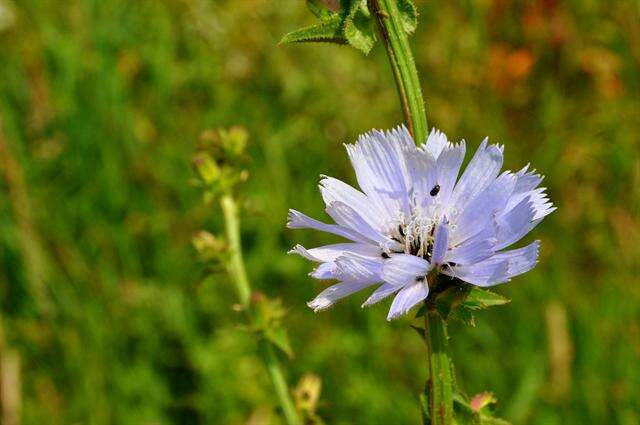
(404, 69)
(440, 382)
(238, 274)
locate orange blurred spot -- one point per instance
(507, 67)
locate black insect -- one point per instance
(435, 190)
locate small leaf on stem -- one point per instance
(329, 30)
(479, 299)
(408, 15)
(278, 336)
(359, 27)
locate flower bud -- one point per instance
(206, 168)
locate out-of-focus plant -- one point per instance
(218, 166)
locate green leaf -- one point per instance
(420, 331)
(464, 315)
(321, 8)
(479, 299)
(408, 15)
(329, 30)
(449, 299)
(359, 27)
(279, 338)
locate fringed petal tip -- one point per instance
(296, 249)
(395, 315)
(302, 251)
(319, 304)
(293, 219)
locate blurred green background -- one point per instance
(106, 317)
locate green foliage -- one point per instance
(408, 15)
(480, 299)
(352, 24)
(103, 104)
(458, 300)
(360, 27)
(219, 160)
(267, 321)
(329, 30)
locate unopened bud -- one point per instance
(206, 168)
(479, 401)
(235, 140)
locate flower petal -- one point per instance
(515, 224)
(357, 268)
(481, 211)
(298, 220)
(526, 182)
(407, 298)
(441, 243)
(520, 260)
(334, 190)
(329, 253)
(448, 165)
(401, 269)
(473, 249)
(350, 219)
(480, 173)
(381, 293)
(435, 143)
(378, 160)
(332, 294)
(485, 273)
(423, 171)
(499, 268)
(325, 271)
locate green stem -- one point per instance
(440, 383)
(238, 274)
(235, 266)
(403, 65)
(279, 383)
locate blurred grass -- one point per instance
(101, 105)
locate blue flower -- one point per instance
(415, 219)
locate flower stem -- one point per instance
(235, 266)
(440, 384)
(403, 65)
(279, 383)
(238, 274)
